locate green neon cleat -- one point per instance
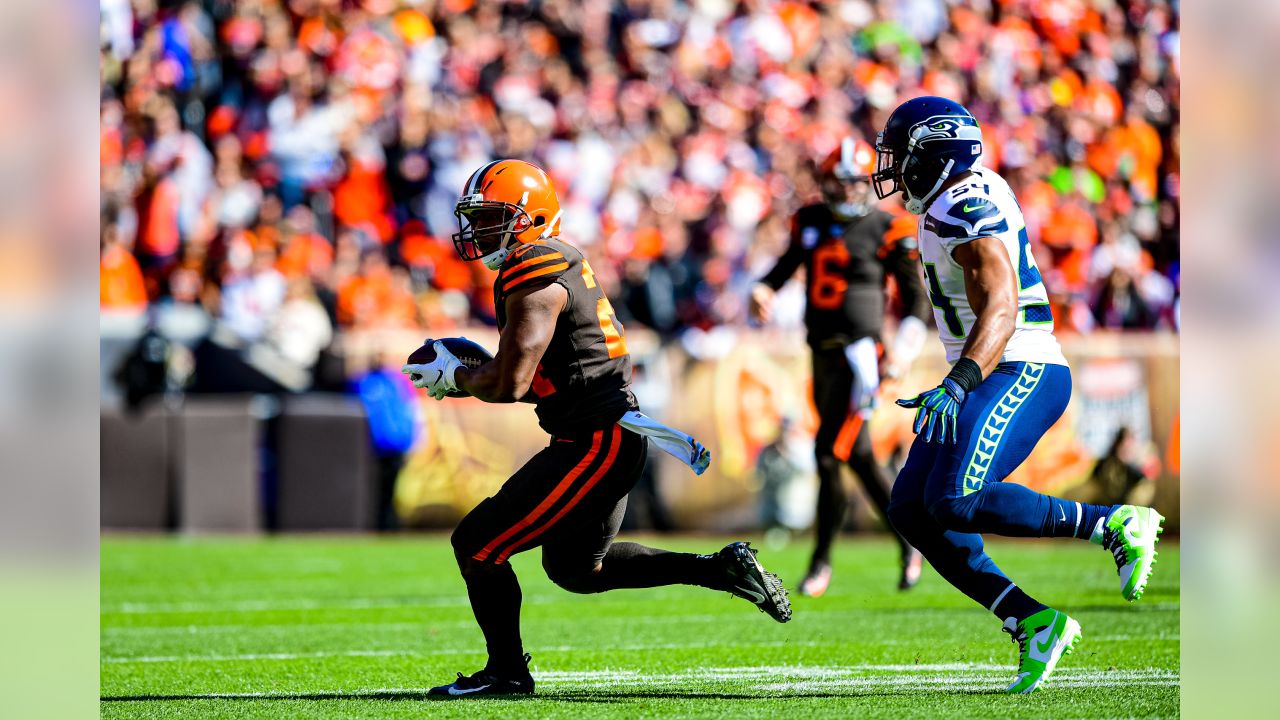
(1130, 533)
(1043, 638)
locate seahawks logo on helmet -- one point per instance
(945, 127)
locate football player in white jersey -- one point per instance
(1009, 382)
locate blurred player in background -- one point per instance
(850, 249)
(562, 349)
(1008, 384)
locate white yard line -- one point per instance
(127, 659)
(144, 608)
(784, 679)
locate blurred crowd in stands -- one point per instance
(291, 166)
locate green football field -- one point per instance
(346, 627)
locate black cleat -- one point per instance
(487, 683)
(912, 567)
(749, 580)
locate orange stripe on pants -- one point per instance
(550, 500)
(848, 434)
(586, 488)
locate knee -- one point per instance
(828, 464)
(573, 577)
(464, 550)
(953, 513)
(904, 516)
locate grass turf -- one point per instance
(327, 627)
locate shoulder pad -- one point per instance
(901, 234)
(968, 217)
(532, 265)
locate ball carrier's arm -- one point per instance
(531, 323)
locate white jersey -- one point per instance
(981, 206)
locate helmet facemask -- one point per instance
(886, 179)
(846, 197)
(486, 229)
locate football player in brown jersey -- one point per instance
(849, 250)
(562, 348)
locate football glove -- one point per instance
(937, 411)
(436, 377)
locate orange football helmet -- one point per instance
(504, 202)
(845, 177)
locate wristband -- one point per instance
(966, 373)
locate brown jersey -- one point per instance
(847, 264)
(584, 379)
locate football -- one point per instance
(468, 353)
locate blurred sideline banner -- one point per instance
(743, 383)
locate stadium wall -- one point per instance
(729, 388)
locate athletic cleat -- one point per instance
(912, 569)
(487, 683)
(1130, 533)
(749, 580)
(1043, 638)
(816, 582)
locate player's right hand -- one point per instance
(761, 303)
(436, 376)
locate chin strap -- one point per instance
(916, 205)
(494, 260)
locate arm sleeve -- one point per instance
(531, 267)
(786, 266)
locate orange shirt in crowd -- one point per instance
(449, 272)
(120, 285)
(374, 300)
(305, 255)
(158, 220)
(1070, 226)
(360, 198)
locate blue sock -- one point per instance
(1068, 518)
(1015, 510)
(1015, 603)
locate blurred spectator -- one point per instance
(785, 469)
(301, 328)
(333, 137)
(1126, 474)
(253, 291)
(120, 287)
(389, 402)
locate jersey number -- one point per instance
(609, 324)
(826, 292)
(1028, 271)
(942, 302)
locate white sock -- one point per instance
(1096, 536)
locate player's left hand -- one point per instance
(437, 376)
(937, 411)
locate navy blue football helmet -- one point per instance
(925, 141)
